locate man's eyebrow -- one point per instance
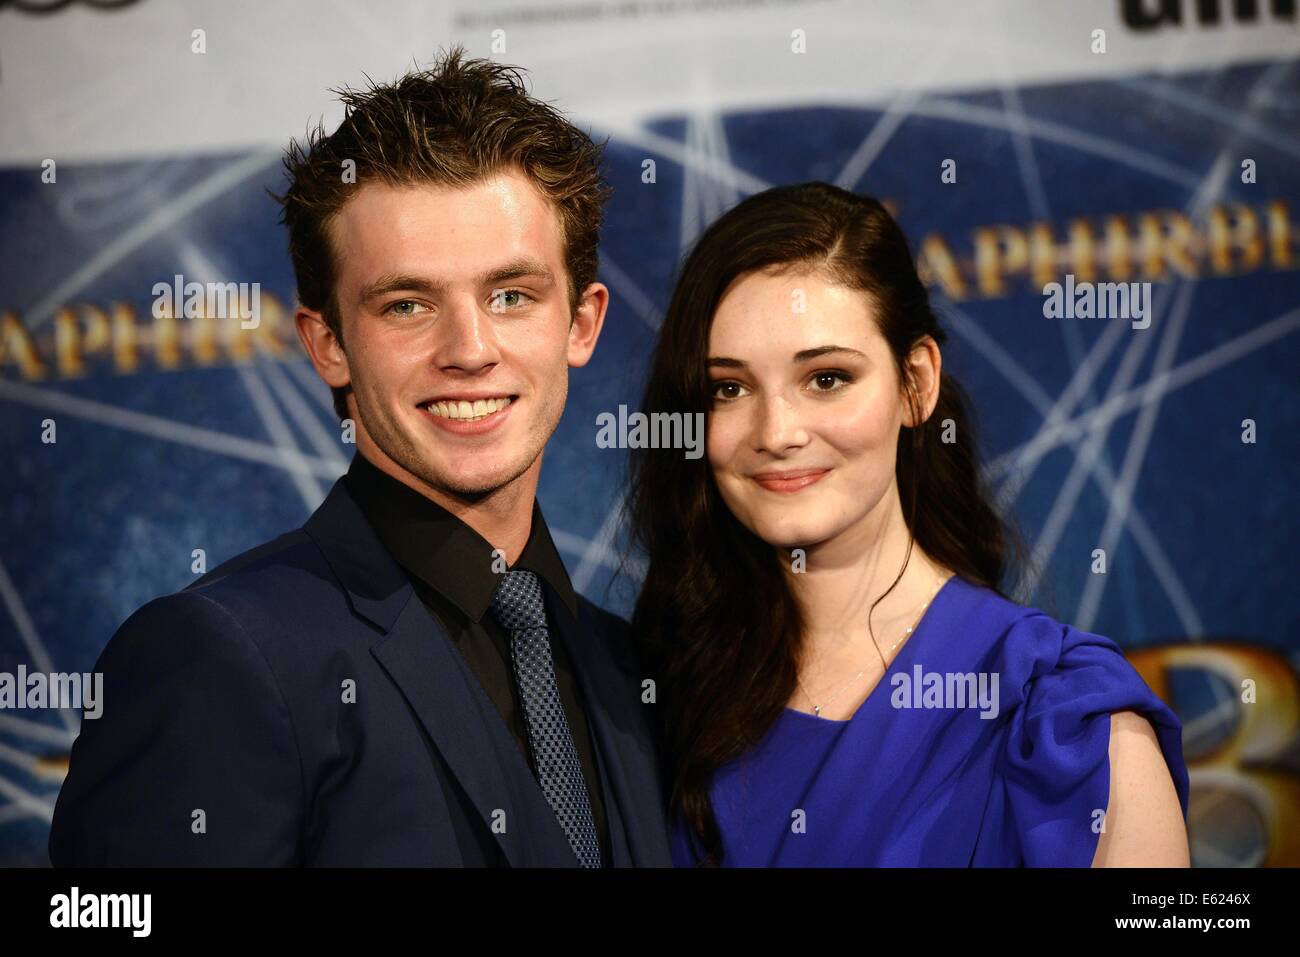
(803, 355)
(393, 282)
(517, 269)
(407, 282)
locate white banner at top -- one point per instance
(106, 79)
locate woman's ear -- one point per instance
(925, 365)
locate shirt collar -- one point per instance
(443, 551)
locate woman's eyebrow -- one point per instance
(803, 355)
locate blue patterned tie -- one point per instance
(519, 607)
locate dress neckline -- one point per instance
(906, 650)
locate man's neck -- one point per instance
(503, 516)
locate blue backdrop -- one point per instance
(152, 463)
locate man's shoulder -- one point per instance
(271, 584)
(282, 571)
(273, 605)
(279, 556)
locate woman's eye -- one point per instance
(727, 390)
(505, 299)
(830, 381)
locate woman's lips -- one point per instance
(792, 481)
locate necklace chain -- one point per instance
(817, 708)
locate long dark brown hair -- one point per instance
(718, 623)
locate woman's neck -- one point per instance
(844, 576)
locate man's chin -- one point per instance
(443, 470)
(471, 487)
(470, 490)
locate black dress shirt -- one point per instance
(450, 566)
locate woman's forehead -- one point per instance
(765, 312)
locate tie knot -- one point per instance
(518, 601)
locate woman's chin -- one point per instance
(789, 536)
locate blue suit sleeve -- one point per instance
(192, 761)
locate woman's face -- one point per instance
(806, 409)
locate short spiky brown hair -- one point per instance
(453, 124)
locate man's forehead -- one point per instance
(506, 191)
(388, 228)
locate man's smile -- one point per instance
(468, 408)
(468, 414)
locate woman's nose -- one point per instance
(779, 427)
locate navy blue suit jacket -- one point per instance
(231, 698)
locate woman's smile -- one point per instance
(789, 481)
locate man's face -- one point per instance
(456, 328)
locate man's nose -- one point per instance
(466, 337)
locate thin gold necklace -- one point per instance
(817, 708)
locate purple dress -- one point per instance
(984, 744)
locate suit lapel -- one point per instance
(468, 732)
(417, 654)
(636, 825)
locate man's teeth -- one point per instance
(468, 411)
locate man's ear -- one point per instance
(323, 347)
(926, 364)
(587, 322)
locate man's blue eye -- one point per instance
(500, 298)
